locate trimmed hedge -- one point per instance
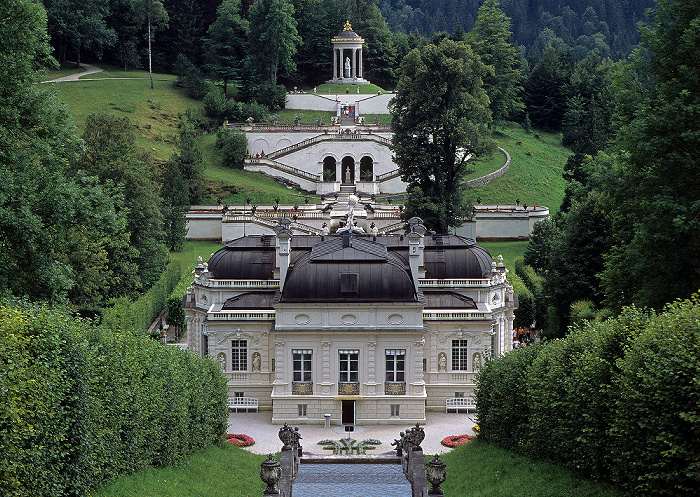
(125, 315)
(81, 405)
(503, 409)
(618, 400)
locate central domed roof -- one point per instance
(349, 269)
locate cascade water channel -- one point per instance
(351, 480)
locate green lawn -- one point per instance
(479, 469)
(225, 471)
(509, 250)
(340, 89)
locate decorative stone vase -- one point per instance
(436, 474)
(270, 475)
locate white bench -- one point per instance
(458, 403)
(236, 403)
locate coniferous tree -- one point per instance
(226, 44)
(274, 34)
(491, 40)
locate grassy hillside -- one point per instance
(535, 174)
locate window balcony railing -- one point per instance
(302, 388)
(348, 388)
(394, 388)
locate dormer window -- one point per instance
(349, 283)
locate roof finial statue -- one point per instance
(350, 224)
(347, 26)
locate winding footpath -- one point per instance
(75, 77)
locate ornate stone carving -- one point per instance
(256, 362)
(442, 361)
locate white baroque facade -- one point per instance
(369, 329)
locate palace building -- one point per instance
(365, 328)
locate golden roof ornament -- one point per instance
(347, 26)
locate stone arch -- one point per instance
(329, 168)
(283, 143)
(347, 170)
(366, 168)
(260, 146)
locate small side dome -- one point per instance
(449, 257)
(246, 258)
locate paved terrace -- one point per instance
(438, 425)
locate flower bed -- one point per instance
(455, 440)
(239, 439)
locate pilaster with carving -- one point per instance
(279, 385)
(371, 367)
(326, 367)
(418, 384)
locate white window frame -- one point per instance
(393, 358)
(460, 355)
(239, 355)
(302, 365)
(346, 374)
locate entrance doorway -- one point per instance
(347, 416)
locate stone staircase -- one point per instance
(351, 480)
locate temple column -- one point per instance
(353, 67)
(359, 63)
(335, 63)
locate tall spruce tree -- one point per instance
(440, 116)
(274, 34)
(491, 40)
(226, 44)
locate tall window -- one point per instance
(349, 366)
(459, 355)
(301, 366)
(395, 365)
(239, 355)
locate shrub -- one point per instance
(656, 421)
(503, 409)
(232, 146)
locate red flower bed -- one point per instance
(455, 440)
(239, 439)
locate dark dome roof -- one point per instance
(250, 257)
(448, 300)
(347, 34)
(450, 256)
(349, 269)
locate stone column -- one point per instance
(326, 367)
(335, 63)
(353, 66)
(359, 65)
(418, 382)
(371, 367)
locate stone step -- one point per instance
(351, 480)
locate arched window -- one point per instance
(366, 168)
(347, 170)
(329, 169)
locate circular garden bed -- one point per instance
(455, 440)
(239, 439)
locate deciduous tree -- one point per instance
(274, 34)
(440, 116)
